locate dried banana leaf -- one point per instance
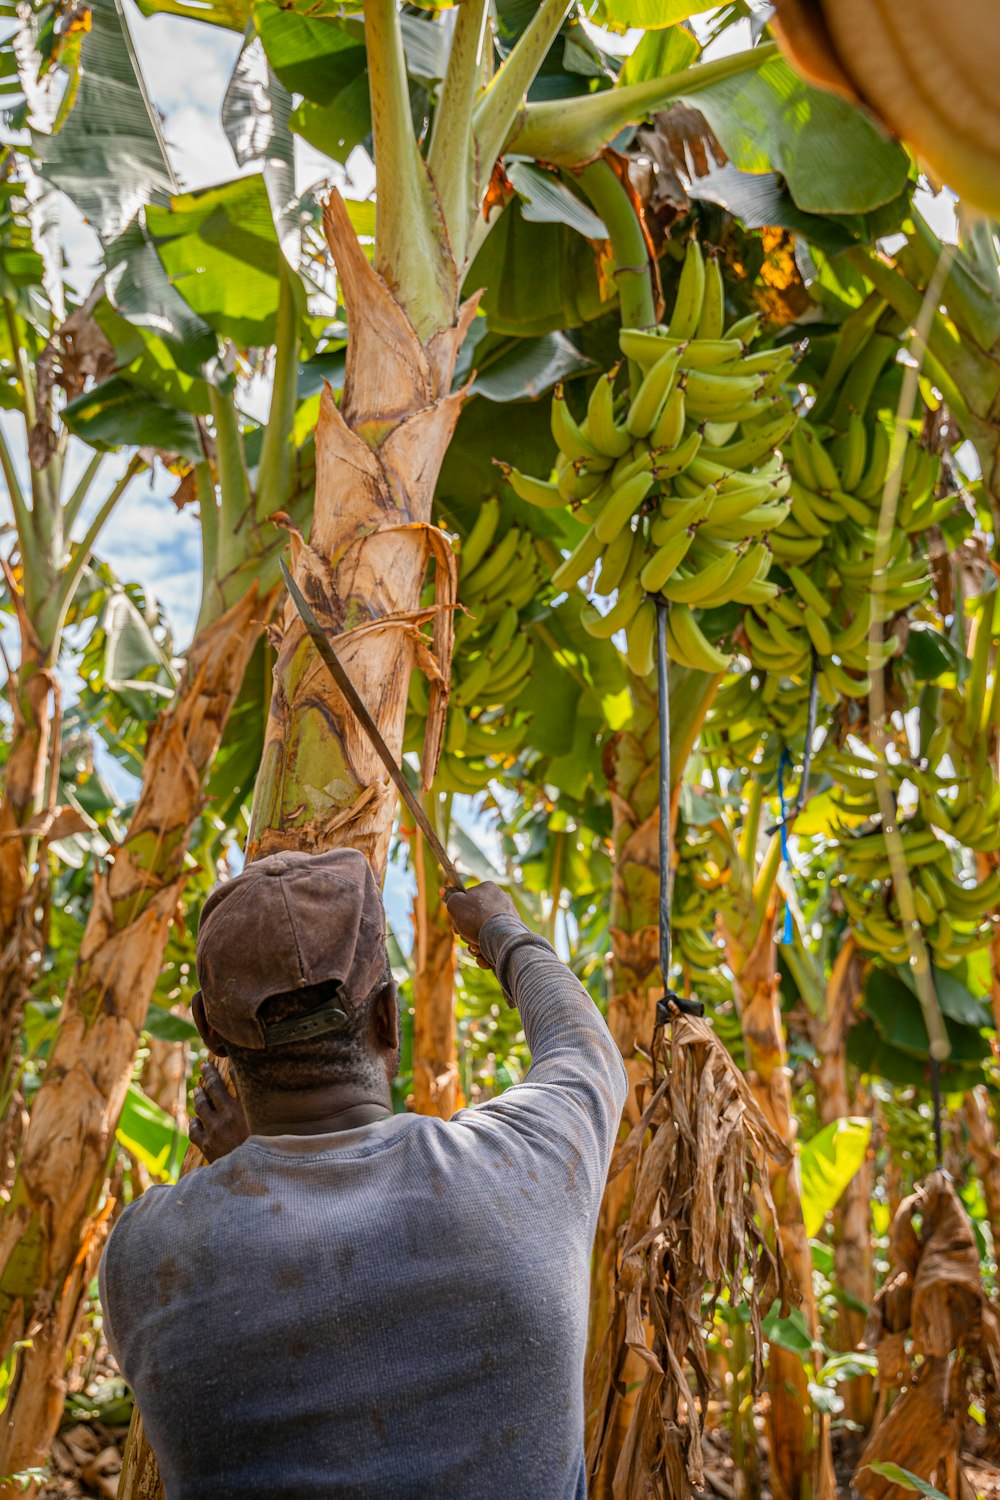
(702, 1146)
(932, 1327)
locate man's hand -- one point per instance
(219, 1125)
(471, 910)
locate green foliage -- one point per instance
(832, 158)
(112, 158)
(827, 1163)
(149, 1133)
(905, 1479)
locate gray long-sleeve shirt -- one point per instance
(397, 1312)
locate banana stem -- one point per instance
(548, 131)
(632, 272)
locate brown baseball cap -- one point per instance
(287, 921)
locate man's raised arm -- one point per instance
(574, 1061)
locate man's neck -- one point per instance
(320, 1111)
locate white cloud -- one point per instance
(183, 62)
(187, 66)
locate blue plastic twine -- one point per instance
(783, 763)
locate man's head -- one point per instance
(295, 982)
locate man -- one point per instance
(352, 1303)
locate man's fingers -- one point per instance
(196, 1133)
(203, 1105)
(212, 1082)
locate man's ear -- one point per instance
(213, 1041)
(385, 1016)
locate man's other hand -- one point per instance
(219, 1125)
(471, 910)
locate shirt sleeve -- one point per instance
(575, 1089)
(105, 1281)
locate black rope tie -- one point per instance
(936, 1100)
(671, 1005)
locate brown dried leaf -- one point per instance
(933, 1307)
(702, 1146)
(921, 1432)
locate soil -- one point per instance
(87, 1459)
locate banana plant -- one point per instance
(379, 450)
(244, 478)
(38, 367)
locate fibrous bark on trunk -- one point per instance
(852, 1240)
(435, 1053)
(378, 454)
(798, 1470)
(24, 787)
(986, 1155)
(51, 1233)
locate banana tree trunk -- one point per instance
(852, 1239)
(435, 1051)
(378, 456)
(986, 1155)
(52, 1230)
(23, 799)
(798, 1469)
(631, 765)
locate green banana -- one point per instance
(648, 401)
(690, 294)
(602, 429)
(491, 568)
(622, 505)
(713, 304)
(665, 561)
(616, 560)
(580, 561)
(538, 492)
(565, 430)
(482, 533)
(603, 626)
(667, 464)
(707, 394)
(808, 592)
(691, 644)
(702, 582)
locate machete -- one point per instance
(335, 667)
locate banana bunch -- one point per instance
(909, 1136)
(963, 808)
(828, 550)
(492, 660)
(965, 805)
(838, 480)
(754, 707)
(951, 914)
(680, 481)
(702, 877)
(969, 715)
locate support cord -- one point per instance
(671, 1005)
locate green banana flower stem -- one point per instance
(632, 273)
(550, 132)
